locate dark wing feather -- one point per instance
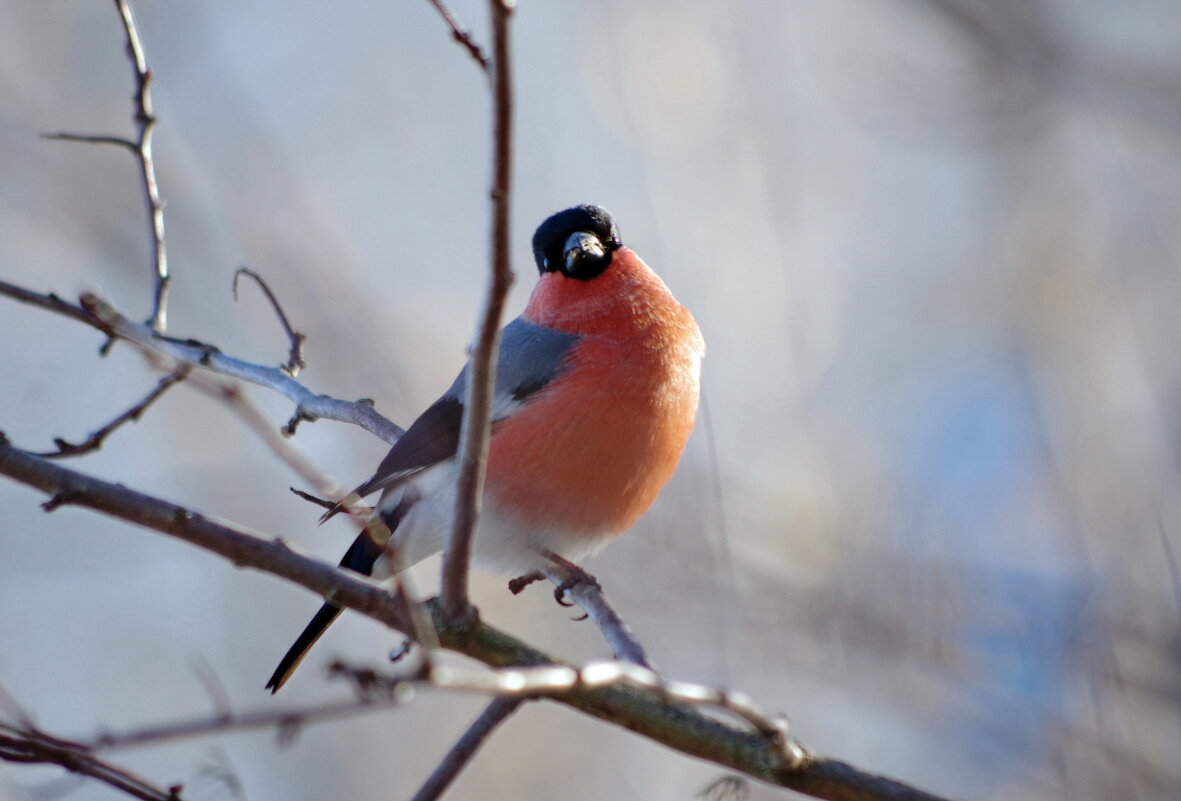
(530, 358)
(432, 438)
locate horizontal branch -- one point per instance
(239, 545)
(645, 710)
(32, 747)
(99, 314)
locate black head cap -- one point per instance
(577, 242)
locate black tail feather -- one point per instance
(303, 644)
(360, 558)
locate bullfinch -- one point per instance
(596, 393)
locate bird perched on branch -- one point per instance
(596, 393)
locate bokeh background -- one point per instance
(931, 509)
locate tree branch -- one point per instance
(588, 594)
(97, 313)
(141, 148)
(97, 438)
(31, 747)
(295, 362)
(648, 709)
(462, 752)
(477, 427)
(145, 122)
(461, 35)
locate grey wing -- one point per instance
(530, 358)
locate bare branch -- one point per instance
(615, 692)
(230, 393)
(556, 679)
(461, 34)
(585, 590)
(462, 752)
(295, 361)
(145, 123)
(96, 312)
(141, 148)
(32, 747)
(288, 721)
(419, 625)
(477, 427)
(308, 406)
(96, 438)
(54, 303)
(239, 545)
(93, 139)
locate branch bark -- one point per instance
(645, 711)
(30, 747)
(97, 313)
(477, 415)
(498, 711)
(141, 148)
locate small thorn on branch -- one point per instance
(300, 416)
(57, 501)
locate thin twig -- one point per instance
(585, 590)
(461, 34)
(477, 427)
(97, 438)
(288, 721)
(555, 680)
(99, 314)
(465, 748)
(141, 148)
(308, 406)
(93, 139)
(54, 303)
(295, 361)
(420, 628)
(31, 747)
(145, 123)
(644, 705)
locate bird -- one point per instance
(596, 394)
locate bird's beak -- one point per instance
(582, 246)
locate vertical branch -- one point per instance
(145, 123)
(477, 427)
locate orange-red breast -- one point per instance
(596, 394)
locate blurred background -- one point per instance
(930, 511)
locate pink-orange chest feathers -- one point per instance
(592, 452)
